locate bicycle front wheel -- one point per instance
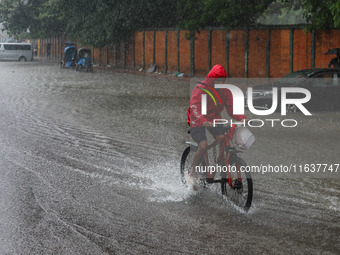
(238, 187)
(186, 162)
(186, 166)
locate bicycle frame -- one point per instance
(225, 146)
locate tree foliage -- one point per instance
(198, 14)
(283, 13)
(104, 22)
(96, 22)
(42, 18)
(319, 15)
(335, 10)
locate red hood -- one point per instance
(216, 72)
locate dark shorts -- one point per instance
(198, 133)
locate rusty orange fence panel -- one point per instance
(218, 47)
(257, 53)
(302, 50)
(184, 53)
(160, 49)
(138, 49)
(172, 52)
(201, 52)
(279, 52)
(237, 53)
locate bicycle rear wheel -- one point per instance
(240, 192)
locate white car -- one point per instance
(16, 51)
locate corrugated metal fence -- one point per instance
(262, 52)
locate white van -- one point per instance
(16, 51)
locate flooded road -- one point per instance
(90, 165)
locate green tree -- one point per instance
(283, 12)
(335, 10)
(104, 22)
(319, 14)
(199, 14)
(42, 18)
(50, 19)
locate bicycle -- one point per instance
(236, 182)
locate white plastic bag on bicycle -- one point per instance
(244, 138)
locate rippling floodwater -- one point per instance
(90, 165)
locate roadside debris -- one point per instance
(179, 74)
(152, 68)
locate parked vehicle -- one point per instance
(84, 60)
(16, 51)
(323, 84)
(70, 56)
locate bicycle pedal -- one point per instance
(210, 180)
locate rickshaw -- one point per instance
(70, 56)
(84, 60)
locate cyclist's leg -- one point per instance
(218, 137)
(202, 148)
(218, 133)
(198, 135)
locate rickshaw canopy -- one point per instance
(68, 47)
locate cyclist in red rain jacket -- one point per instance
(199, 122)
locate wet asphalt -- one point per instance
(89, 164)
